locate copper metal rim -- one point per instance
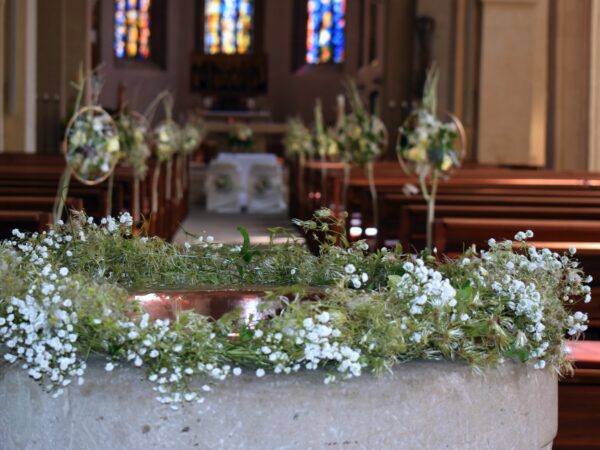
(251, 303)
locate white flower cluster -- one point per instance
(157, 345)
(524, 297)
(39, 330)
(356, 281)
(576, 323)
(320, 345)
(112, 225)
(526, 301)
(420, 286)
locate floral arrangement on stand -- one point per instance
(192, 134)
(361, 138)
(91, 143)
(134, 141)
(167, 141)
(427, 147)
(241, 138)
(325, 144)
(64, 298)
(299, 144)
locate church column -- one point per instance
(570, 84)
(513, 82)
(20, 65)
(2, 33)
(594, 88)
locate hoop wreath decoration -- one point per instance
(427, 149)
(135, 141)
(91, 145)
(167, 141)
(426, 145)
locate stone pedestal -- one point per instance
(422, 405)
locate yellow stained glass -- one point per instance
(132, 29)
(228, 26)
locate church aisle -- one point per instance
(223, 227)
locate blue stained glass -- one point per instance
(325, 39)
(132, 29)
(228, 26)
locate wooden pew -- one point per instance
(579, 400)
(38, 175)
(393, 219)
(24, 221)
(46, 204)
(453, 234)
(413, 217)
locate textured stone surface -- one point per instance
(422, 405)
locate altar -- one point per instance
(245, 181)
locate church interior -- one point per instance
(256, 112)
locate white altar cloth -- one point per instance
(244, 163)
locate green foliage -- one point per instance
(344, 310)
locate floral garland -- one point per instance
(64, 298)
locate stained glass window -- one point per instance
(132, 29)
(325, 31)
(228, 26)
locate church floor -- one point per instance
(223, 227)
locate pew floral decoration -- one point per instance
(134, 136)
(92, 145)
(299, 143)
(241, 137)
(167, 142)
(361, 138)
(134, 140)
(64, 297)
(325, 144)
(167, 139)
(429, 148)
(192, 134)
